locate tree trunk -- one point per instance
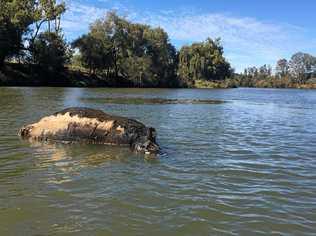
(115, 63)
(48, 26)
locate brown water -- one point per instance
(243, 167)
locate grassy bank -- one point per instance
(228, 83)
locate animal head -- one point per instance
(148, 143)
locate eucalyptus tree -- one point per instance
(22, 20)
(133, 52)
(95, 52)
(203, 61)
(47, 12)
(50, 51)
(301, 65)
(162, 54)
(282, 68)
(265, 72)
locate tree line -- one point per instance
(114, 49)
(118, 52)
(299, 70)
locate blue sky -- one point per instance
(253, 32)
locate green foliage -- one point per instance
(10, 41)
(15, 18)
(139, 71)
(133, 52)
(47, 11)
(297, 73)
(50, 51)
(19, 13)
(95, 52)
(203, 61)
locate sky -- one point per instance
(253, 32)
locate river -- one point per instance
(242, 167)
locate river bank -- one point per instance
(15, 74)
(31, 75)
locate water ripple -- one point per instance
(245, 167)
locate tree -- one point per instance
(133, 52)
(10, 41)
(282, 68)
(162, 54)
(140, 71)
(265, 72)
(50, 51)
(203, 61)
(15, 18)
(131, 40)
(301, 65)
(95, 52)
(47, 11)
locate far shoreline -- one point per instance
(19, 75)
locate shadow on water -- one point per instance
(82, 155)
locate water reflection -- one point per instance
(78, 155)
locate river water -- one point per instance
(243, 167)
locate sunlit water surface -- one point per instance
(243, 167)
